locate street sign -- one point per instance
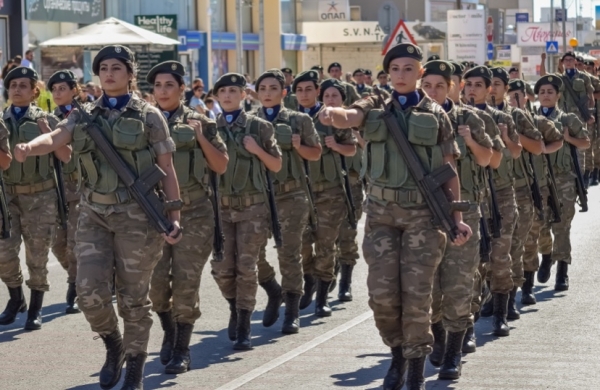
(552, 47)
(522, 17)
(388, 16)
(560, 14)
(401, 34)
(490, 51)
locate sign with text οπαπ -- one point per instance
(161, 24)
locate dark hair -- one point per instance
(178, 78)
(131, 69)
(209, 100)
(448, 80)
(28, 52)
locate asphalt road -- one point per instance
(554, 345)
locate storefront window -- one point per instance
(246, 17)
(3, 40)
(218, 15)
(220, 64)
(290, 60)
(288, 16)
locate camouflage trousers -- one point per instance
(64, 240)
(176, 278)
(561, 248)
(499, 268)
(478, 280)
(347, 247)
(293, 217)
(596, 147)
(402, 250)
(531, 261)
(525, 215)
(33, 222)
(453, 282)
(331, 211)
(245, 231)
(591, 153)
(123, 244)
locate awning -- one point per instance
(111, 31)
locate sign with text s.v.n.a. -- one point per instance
(400, 34)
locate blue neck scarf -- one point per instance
(481, 106)
(546, 111)
(386, 87)
(65, 109)
(447, 105)
(116, 102)
(18, 112)
(571, 72)
(169, 114)
(230, 116)
(272, 112)
(407, 100)
(501, 106)
(310, 111)
(360, 87)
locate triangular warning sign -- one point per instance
(552, 48)
(399, 35)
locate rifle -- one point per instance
(430, 184)
(142, 188)
(218, 238)
(61, 197)
(553, 199)
(307, 187)
(581, 191)
(6, 217)
(495, 219)
(348, 198)
(270, 195)
(485, 243)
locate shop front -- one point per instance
(11, 30)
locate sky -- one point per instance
(588, 9)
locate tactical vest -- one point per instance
(562, 162)
(35, 169)
(354, 163)
(244, 174)
(468, 170)
(503, 175)
(383, 163)
(540, 165)
(290, 170)
(325, 169)
(129, 138)
(521, 163)
(188, 158)
(566, 100)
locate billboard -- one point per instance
(467, 40)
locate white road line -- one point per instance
(242, 380)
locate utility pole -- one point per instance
(458, 4)
(564, 25)
(551, 56)
(239, 48)
(261, 36)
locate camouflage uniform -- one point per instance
(331, 209)
(591, 153)
(351, 94)
(289, 101)
(292, 201)
(113, 233)
(401, 246)
(364, 91)
(31, 197)
(176, 279)
(453, 282)
(244, 212)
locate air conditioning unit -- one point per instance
(355, 13)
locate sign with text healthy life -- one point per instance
(537, 34)
(165, 25)
(467, 39)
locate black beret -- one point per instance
(332, 83)
(442, 68)
(18, 73)
(568, 54)
(434, 57)
(402, 50)
(287, 70)
(112, 51)
(334, 65)
(62, 76)
(230, 80)
(458, 68)
(465, 63)
(317, 67)
(368, 72)
(309, 75)
(513, 69)
(579, 58)
(170, 67)
(516, 85)
(549, 79)
(589, 63)
(271, 73)
(500, 73)
(381, 73)
(479, 71)
(359, 70)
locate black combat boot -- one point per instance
(513, 312)
(527, 296)
(34, 314)
(595, 180)
(310, 286)
(168, 326)
(562, 279)
(72, 307)
(291, 322)
(180, 362)
(232, 326)
(110, 374)
(469, 341)
(415, 379)
(452, 365)
(439, 344)
(16, 304)
(134, 374)
(243, 330)
(394, 379)
(271, 313)
(345, 293)
(543, 274)
(322, 308)
(499, 323)
(336, 273)
(487, 309)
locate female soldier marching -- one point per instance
(174, 290)
(114, 235)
